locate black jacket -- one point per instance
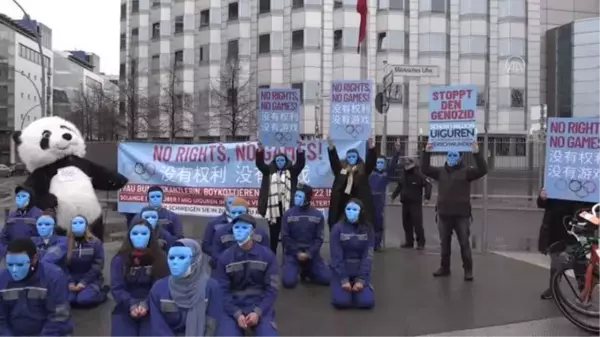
(454, 184)
(361, 189)
(268, 169)
(411, 185)
(553, 232)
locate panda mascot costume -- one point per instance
(53, 151)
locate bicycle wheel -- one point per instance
(568, 289)
(586, 322)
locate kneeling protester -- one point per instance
(34, 295)
(248, 276)
(51, 247)
(188, 302)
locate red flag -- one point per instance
(361, 9)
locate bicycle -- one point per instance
(583, 259)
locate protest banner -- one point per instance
(452, 118)
(351, 111)
(279, 116)
(197, 177)
(572, 170)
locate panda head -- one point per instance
(47, 140)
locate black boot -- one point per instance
(442, 272)
(468, 275)
(407, 245)
(547, 295)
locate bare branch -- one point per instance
(174, 107)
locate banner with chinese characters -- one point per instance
(279, 116)
(351, 102)
(197, 177)
(452, 118)
(572, 169)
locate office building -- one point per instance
(20, 78)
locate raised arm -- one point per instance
(426, 168)
(103, 178)
(259, 157)
(300, 161)
(391, 167)
(334, 159)
(371, 160)
(480, 169)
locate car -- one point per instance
(5, 171)
(19, 169)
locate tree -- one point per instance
(94, 112)
(234, 101)
(175, 107)
(132, 104)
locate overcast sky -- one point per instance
(90, 25)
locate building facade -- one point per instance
(20, 79)
(306, 44)
(573, 69)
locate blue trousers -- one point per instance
(316, 270)
(266, 327)
(378, 221)
(123, 325)
(90, 296)
(342, 299)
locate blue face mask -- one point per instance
(45, 226)
(380, 164)
(228, 202)
(78, 225)
(236, 211)
(352, 212)
(18, 265)
(22, 199)
(139, 236)
(453, 158)
(179, 260)
(155, 198)
(280, 162)
(352, 157)
(151, 217)
(299, 198)
(242, 232)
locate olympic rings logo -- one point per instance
(582, 189)
(354, 130)
(283, 138)
(144, 171)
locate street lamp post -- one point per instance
(38, 39)
(27, 114)
(37, 90)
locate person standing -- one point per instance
(411, 185)
(378, 180)
(454, 204)
(277, 187)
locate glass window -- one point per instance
(204, 53)
(395, 40)
(123, 42)
(233, 11)
(123, 11)
(312, 37)
(264, 6)
(433, 42)
(512, 8)
(586, 38)
(179, 24)
(155, 64)
(337, 39)
(338, 4)
(264, 44)
(396, 5)
(517, 98)
(232, 50)
(473, 7)
(179, 57)
(204, 18)
(382, 41)
(511, 47)
(438, 6)
(155, 3)
(156, 30)
(473, 45)
(297, 4)
(301, 87)
(135, 6)
(298, 40)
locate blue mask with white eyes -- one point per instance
(22, 199)
(155, 198)
(151, 216)
(453, 158)
(236, 211)
(352, 212)
(45, 226)
(179, 260)
(299, 198)
(280, 162)
(18, 265)
(242, 232)
(228, 201)
(380, 164)
(139, 236)
(78, 226)
(352, 157)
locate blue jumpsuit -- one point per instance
(86, 266)
(211, 229)
(129, 288)
(169, 320)
(351, 261)
(302, 231)
(53, 251)
(223, 239)
(19, 224)
(171, 223)
(378, 180)
(37, 305)
(249, 282)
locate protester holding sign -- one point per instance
(277, 188)
(351, 180)
(454, 203)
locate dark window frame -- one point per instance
(233, 7)
(204, 18)
(298, 35)
(264, 44)
(179, 25)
